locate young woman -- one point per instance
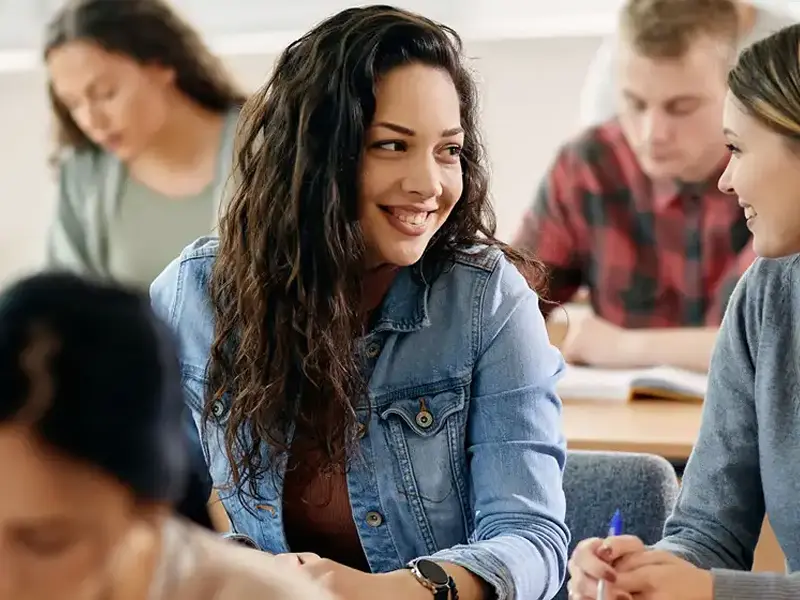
(91, 435)
(145, 118)
(370, 374)
(742, 464)
(599, 102)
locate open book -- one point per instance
(624, 385)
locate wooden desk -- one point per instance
(667, 429)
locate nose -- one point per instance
(423, 178)
(91, 120)
(657, 127)
(725, 183)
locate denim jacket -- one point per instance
(463, 455)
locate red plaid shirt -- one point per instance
(652, 254)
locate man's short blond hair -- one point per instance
(667, 28)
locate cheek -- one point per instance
(142, 110)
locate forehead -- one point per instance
(45, 485)
(418, 97)
(76, 65)
(698, 73)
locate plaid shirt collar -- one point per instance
(666, 192)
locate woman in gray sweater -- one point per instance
(146, 117)
(744, 464)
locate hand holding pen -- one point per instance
(614, 529)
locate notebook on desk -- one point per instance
(625, 385)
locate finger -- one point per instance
(305, 558)
(586, 562)
(589, 565)
(638, 581)
(647, 558)
(615, 547)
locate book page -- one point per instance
(588, 383)
(615, 385)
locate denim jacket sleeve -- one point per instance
(516, 448)
(162, 297)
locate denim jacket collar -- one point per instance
(405, 307)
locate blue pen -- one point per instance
(614, 529)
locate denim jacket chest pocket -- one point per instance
(425, 432)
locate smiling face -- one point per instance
(411, 176)
(764, 172)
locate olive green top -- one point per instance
(109, 226)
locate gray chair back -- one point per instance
(644, 487)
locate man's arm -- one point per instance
(682, 347)
(554, 231)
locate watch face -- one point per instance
(432, 572)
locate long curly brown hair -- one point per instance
(286, 284)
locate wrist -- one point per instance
(632, 344)
(706, 585)
(403, 584)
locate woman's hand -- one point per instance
(659, 575)
(351, 584)
(592, 561)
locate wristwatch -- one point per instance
(434, 578)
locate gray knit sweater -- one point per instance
(747, 457)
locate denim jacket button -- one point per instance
(373, 349)
(424, 419)
(374, 519)
(217, 408)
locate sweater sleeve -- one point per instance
(746, 585)
(720, 510)
(66, 241)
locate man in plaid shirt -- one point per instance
(630, 209)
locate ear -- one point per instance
(161, 74)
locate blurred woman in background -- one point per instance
(93, 451)
(145, 116)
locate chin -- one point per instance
(403, 257)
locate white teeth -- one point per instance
(749, 212)
(411, 217)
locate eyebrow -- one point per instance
(729, 132)
(411, 133)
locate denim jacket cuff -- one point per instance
(482, 563)
(241, 539)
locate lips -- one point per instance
(749, 211)
(410, 216)
(408, 220)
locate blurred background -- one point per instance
(530, 57)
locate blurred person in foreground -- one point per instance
(92, 447)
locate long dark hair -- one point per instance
(94, 375)
(150, 32)
(286, 284)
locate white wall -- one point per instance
(530, 102)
